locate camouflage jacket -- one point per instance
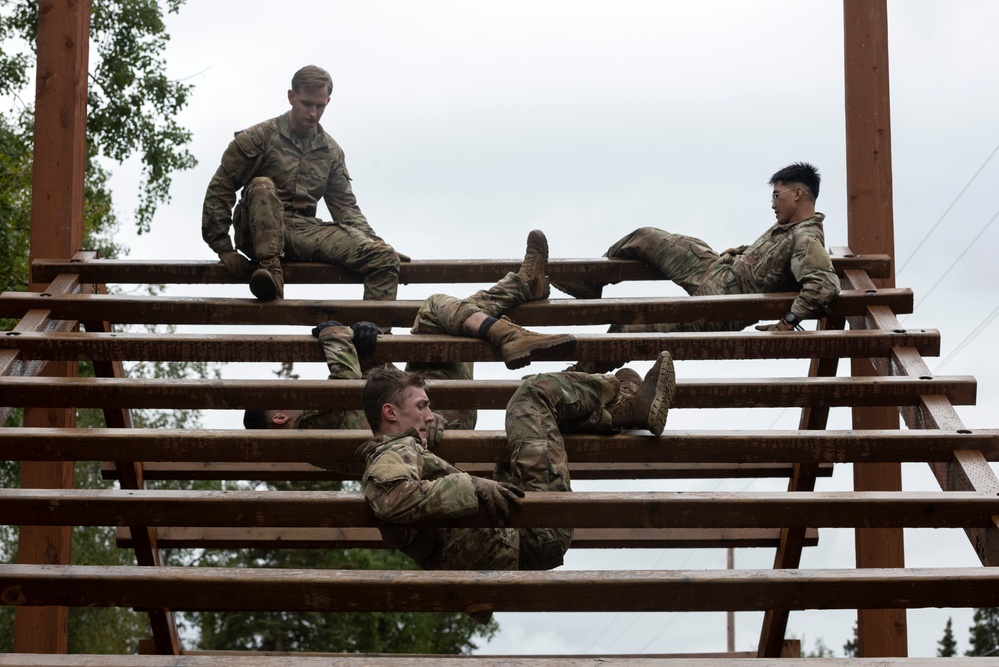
(404, 482)
(304, 171)
(790, 258)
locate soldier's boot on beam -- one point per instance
(580, 289)
(645, 403)
(267, 282)
(535, 265)
(517, 344)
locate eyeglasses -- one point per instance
(773, 197)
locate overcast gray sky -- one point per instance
(467, 124)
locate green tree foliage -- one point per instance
(984, 639)
(820, 650)
(947, 646)
(851, 646)
(131, 104)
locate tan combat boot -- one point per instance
(532, 270)
(267, 282)
(517, 344)
(581, 289)
(645, 403)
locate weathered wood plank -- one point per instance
(130, 271)
(480, 394)
(280, 589)
(345, 509)
(261, 446)
(304, 348)
(235, 659)
(331, 471)
(370, 538)
(557, 312)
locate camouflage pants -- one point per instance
(541, 408)
(442, 314)
(263, 228)
(687, 261)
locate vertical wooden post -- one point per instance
(56, 232)
(880, 632)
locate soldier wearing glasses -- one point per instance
(789, 257)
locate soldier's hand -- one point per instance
(365, 337)
(738, 250)
(779, 325)
(405, 259)
(498, 497)
(237, 265)
(435, 430)
(318, 329)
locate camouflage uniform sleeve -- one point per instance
(238, 161)
(341, 356)
(406, 484)
(813, 269)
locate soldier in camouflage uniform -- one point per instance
(440, 314)
(405, 483)
(789, 257)
(284, 166)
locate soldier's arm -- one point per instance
(340, 199)
(398, 493)
(813, 269)
(216, 212)
(341, 356)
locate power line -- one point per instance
(951, 267)
(956, 199)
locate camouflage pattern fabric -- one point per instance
(442, 314)
(404, 482)
(283, 177)
(341, 359)
(785, 258)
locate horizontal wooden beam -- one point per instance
(418, 271)
(337, 447)
(347, 509)
(556, 312)
(333, 471)
(237, 659)
(466, 394)
(370, 538)
(280, 589)
(304, 348)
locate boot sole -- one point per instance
(577, 291)
(526, 357)
(263, 286)
(665, 391)
(540, 241)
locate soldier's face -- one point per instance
(307, 108)
(785, 201)
(413, 411)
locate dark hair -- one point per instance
(386, 384)
(256, 419)
(802, 174)
(311, 78)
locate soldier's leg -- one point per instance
(310, 240)
(258, 220)
(682, 259)
(535, 415)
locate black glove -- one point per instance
(316, 330)
(498, 497)
(237, 265)
(365, 337)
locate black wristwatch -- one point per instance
(793, 320)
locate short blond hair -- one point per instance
(311, 78)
